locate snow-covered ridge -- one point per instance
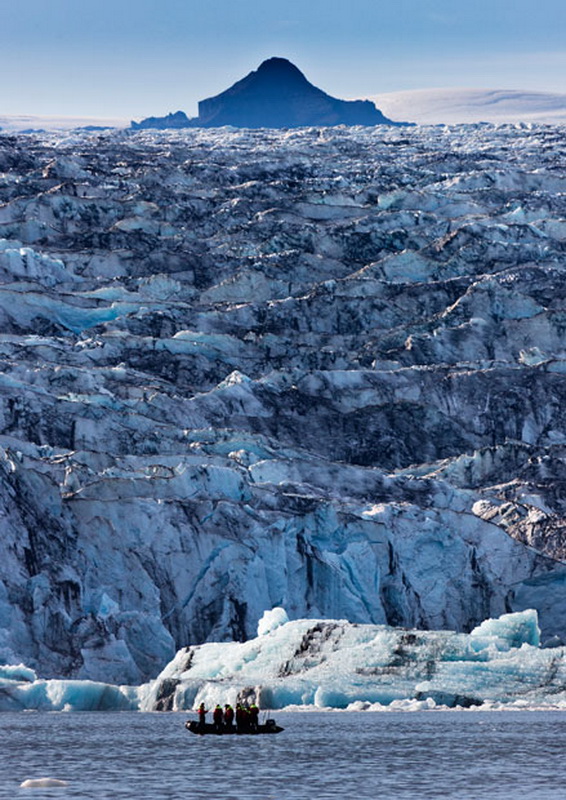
(454, 106)
(322, 369)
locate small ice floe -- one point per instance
(42, 783)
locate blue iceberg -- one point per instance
(323, 663)
(337, 664)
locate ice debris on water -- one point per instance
(43, 783)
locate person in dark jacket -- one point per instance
(253, 714)
(241, 718)
(202, 712)
(218, 718)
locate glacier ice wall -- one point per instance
(322, 369)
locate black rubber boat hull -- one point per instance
(269, 727)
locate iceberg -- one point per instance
(329, 664)
(22, 690)
(43, 783)
(334, 664)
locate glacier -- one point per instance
(318, 369)
(333, 664)
(453, 106)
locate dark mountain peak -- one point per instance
(273, 79)
(279, 69)
(278, 95)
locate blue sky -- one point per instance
(131, 59)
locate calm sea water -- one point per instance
(319, 755)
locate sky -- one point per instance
(135, 58)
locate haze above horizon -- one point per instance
(134, 59)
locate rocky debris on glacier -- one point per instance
(275, 95)
(329, 664)
(319, 368)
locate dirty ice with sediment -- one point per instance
(319, 369)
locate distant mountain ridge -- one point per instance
(448, 106)
(276, 95)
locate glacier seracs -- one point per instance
(318, 369)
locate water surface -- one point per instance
(495, 755)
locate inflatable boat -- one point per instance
(269, 726)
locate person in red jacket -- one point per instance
(228, 717)
(218, 718)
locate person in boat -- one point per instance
(228, 717)
(253, 717)
(202, 712)
(241, 718)
(218, 718)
